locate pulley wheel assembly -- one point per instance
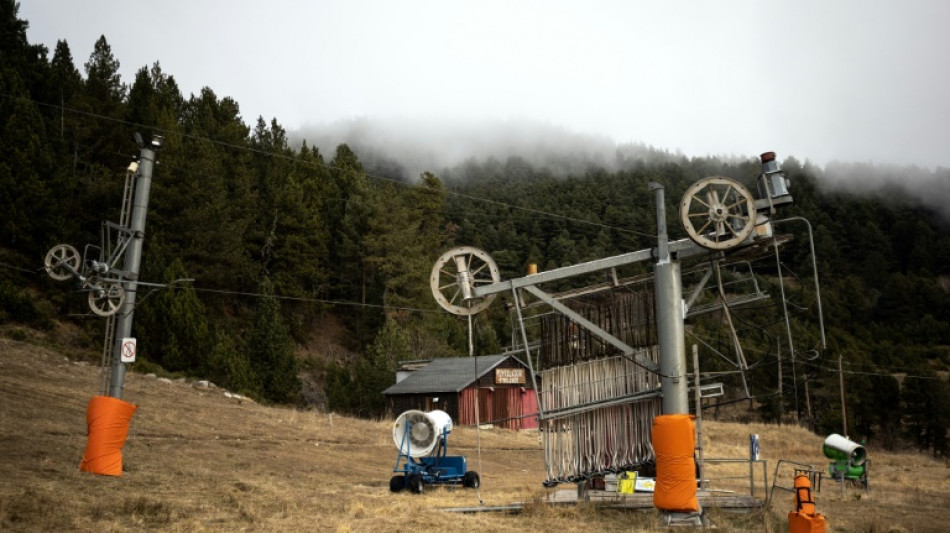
(456, 274)
(718, 213)
(105, 296)
(61, 262)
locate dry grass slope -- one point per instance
(199, 461)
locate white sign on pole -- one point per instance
(128, 350)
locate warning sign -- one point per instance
(128, 350)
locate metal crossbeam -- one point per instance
(553, 414)
(683, 248)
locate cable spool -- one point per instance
(838, 448)
(417, 433)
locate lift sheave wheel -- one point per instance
(61, 262)
(718, 213)
(456, 274)
(105, 297)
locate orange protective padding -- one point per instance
(804, 504)
(107, 419)
(798, 523)
(674, 439)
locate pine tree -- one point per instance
(30, 187)
(350, 207)
(291, 237)
(338, 387)
(105, 95)
(270, 350)
(927, 412)
(346, 214)
(203, 200)
(403, 239)
(229, 366)
(174, 328)
(376, 369)
(486, 338)
(104, 145)
(155, 100)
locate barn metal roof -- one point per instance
(450, 374)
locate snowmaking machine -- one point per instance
(422, 440)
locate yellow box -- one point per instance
(627, 482)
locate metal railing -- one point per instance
(751, 476)
(814, 476)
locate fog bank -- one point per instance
(411, 147)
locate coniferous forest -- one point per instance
(287, 246)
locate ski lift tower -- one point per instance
(109, 272)
(720, 216)
(601, 414)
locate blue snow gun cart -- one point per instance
(422, 439)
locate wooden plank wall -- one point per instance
(623, 312)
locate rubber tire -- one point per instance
(397, 483)
(416, 486)
(471, 480)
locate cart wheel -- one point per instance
(471, 480)
(397, 483)
(415, 483)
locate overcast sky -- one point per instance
(822, 80)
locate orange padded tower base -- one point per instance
(674, 439)
(107, 420)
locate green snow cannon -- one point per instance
(843, 449)
(849, 459)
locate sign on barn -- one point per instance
(509, 376)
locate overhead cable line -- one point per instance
(545, 213)
(867, 373)
(892, 367)
(314, 300)
(262, 295)
(11, 267)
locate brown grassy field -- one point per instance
(198, 461)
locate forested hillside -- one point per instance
(883, 263)
(285, 242)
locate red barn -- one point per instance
(501, 383)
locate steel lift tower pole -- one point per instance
(670, 315)
(133, 259)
